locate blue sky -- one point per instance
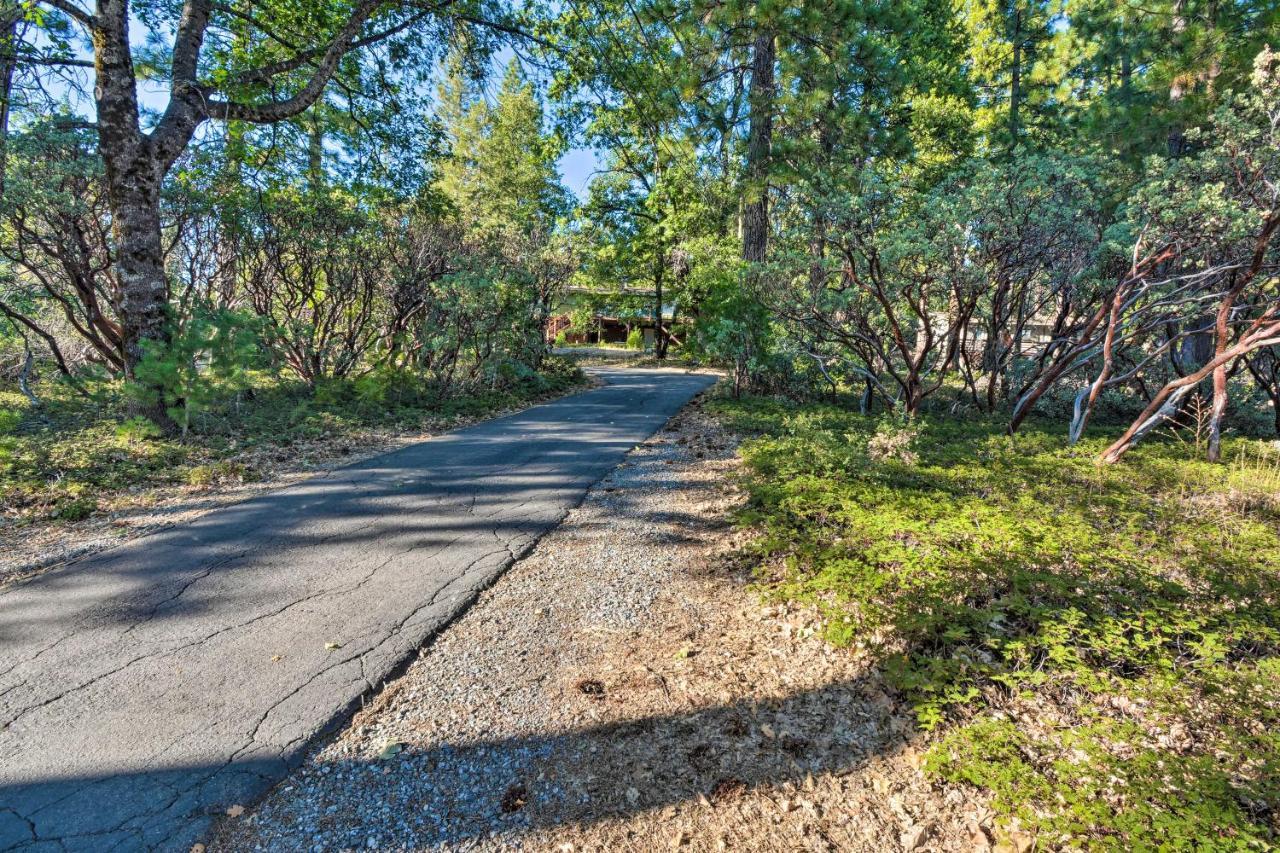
(577, 167)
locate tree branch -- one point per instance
(73, 11)
(325, 64)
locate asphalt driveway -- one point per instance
(145, 689)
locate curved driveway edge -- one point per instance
(145, 689)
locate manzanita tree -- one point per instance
(1204, 259)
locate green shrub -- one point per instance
(331, 392)
(210, 355)
(9, 420)
(75, 508)
(561, 374)
(9, 443)
(894, 440)
(517, 375)
(635, 340)
(387, 386)
(138, 428)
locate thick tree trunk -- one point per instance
(755, 210)
(133, 185)
(143, 297)
(133, 174)
(136, 162)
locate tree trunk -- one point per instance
(1221, 330)
(136, 162)
(818, 242)
(755, 211)
(315, 148)
(1217, 413)
(1126, 73)
(1164, 403)
(133, 174)
(659, 333)
(10, 15)
(143, 297)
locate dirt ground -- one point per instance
(624, 687)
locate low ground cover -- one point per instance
(63, 459)
(1098, 648)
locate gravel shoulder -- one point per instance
(622, 687)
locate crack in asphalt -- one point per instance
(83, 685)
(20, 661)
(183, 646)
(199, 576)
(31, 827)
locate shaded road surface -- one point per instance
(147, 688)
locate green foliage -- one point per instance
(209, 356)
(582, 319)
(735, 327)
(138, 428)
(895, 439)
(76, 508)
(9, 420)
(9, 443)
(219, 473)
(1008, 39)
(1215, 199)
(635, 339)
(502, 174)
(1101, 646)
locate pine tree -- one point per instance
(501, 173)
